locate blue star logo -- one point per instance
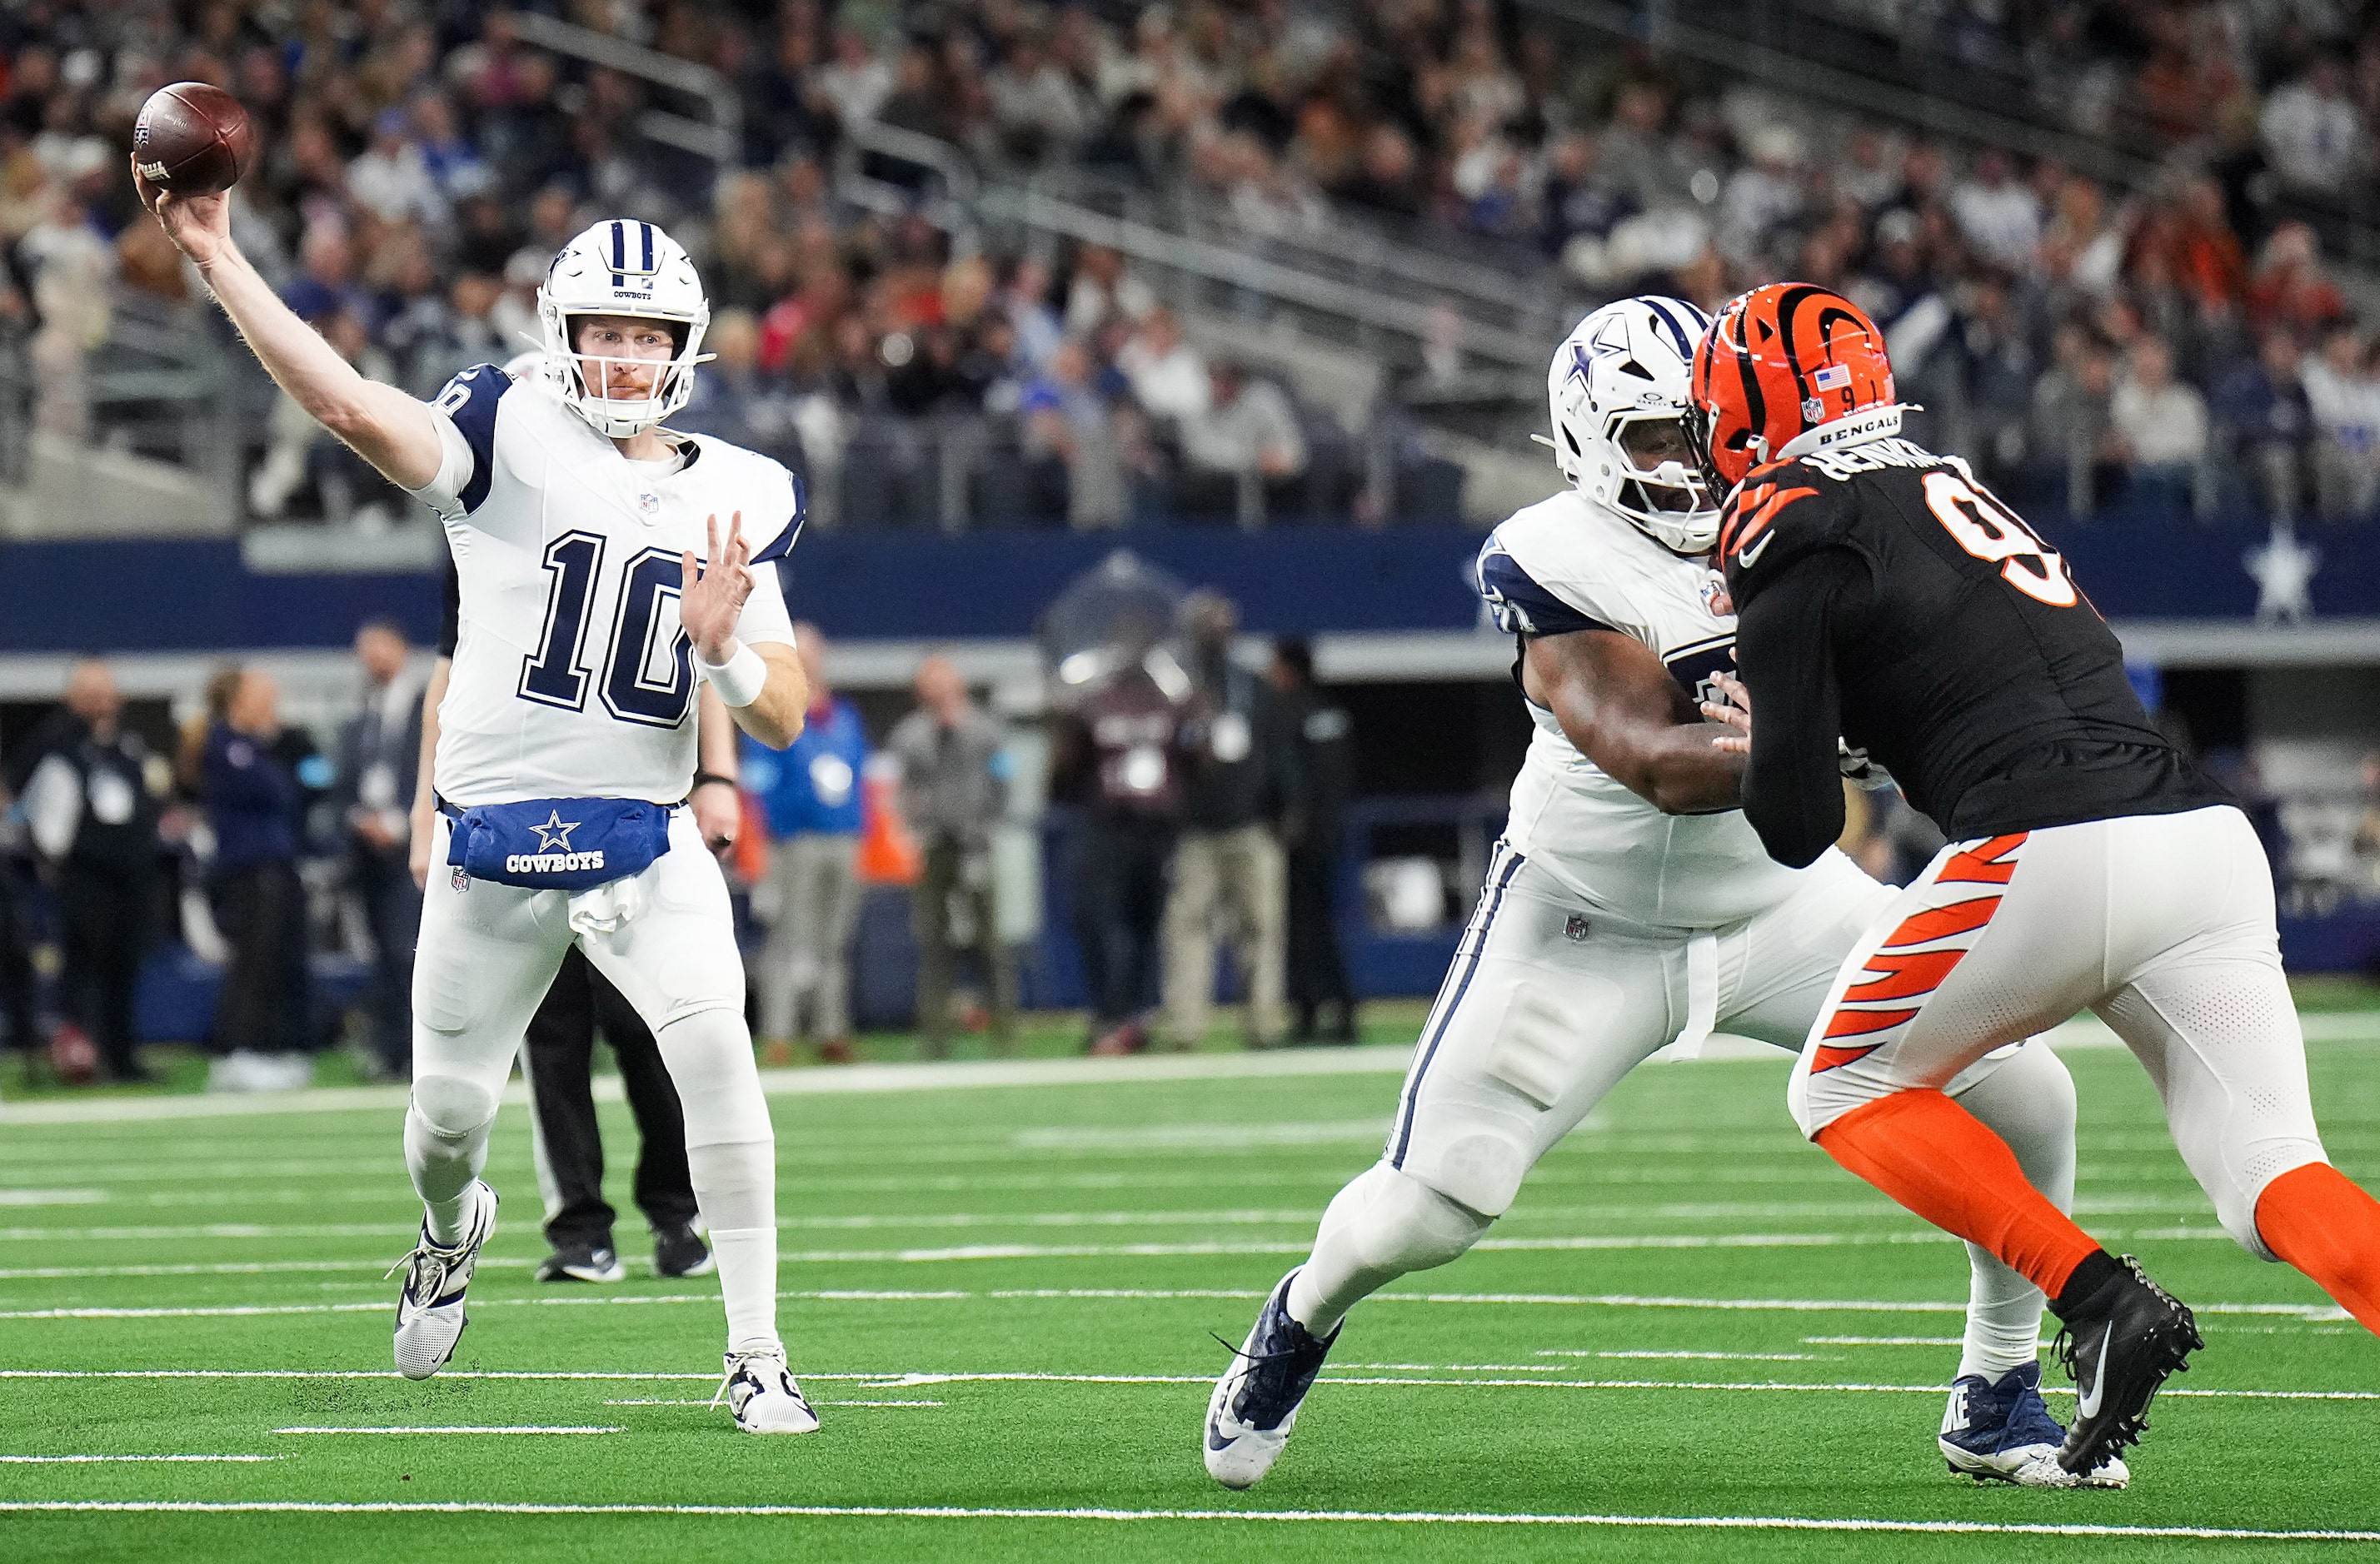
(1581, 367)
(554, 836)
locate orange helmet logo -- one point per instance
(1781, 363)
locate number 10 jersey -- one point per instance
(572, 676)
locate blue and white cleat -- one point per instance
(1256, 1401)
(430, 1316)
(2003, 1433)
(763, 1394)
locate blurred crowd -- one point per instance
(419, 164)
(272, 863)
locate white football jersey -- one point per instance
(1566, 563)
(572, 677)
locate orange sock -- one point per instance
(1941, 1162)
(2317, 1220)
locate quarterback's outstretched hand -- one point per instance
(198, 226)
(710, 600)
(1735, 712)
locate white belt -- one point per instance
(1702, 994)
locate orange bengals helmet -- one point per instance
(1787, 368)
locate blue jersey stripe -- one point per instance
(1452, 999)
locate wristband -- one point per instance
(704, 778)
(739, 679)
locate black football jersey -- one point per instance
(1953, 644)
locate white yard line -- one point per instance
(94, 1460)
(921, 1379)
(471, 1428)
(1322, 1517)
(2301, 1312)
(960, 1074)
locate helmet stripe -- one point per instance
(648, 247)
(619, 254)
(1685, 346)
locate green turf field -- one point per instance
(1002, 1296)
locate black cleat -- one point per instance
(2118, 1345)
(582, 1262)
(680, 1252)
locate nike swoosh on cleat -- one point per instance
(1214, 1443)
(2088, 1405)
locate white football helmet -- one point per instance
(623, 267)
(1619, 387)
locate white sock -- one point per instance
(736, 1184)
(447, 1127)
(2003, 1318)
(2029, 1103)
(1380, 1227)
(747, 1282)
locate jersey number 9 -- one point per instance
(1992, 532)
(642, 681)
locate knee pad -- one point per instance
(709, 1059)
(1486, 1130)
(1395, 1222)
(451, 1108)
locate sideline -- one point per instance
(2084, 1032)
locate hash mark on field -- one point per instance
(1729, 1357)
(82, 1460)
(464, 1428)
(52, 1196)
(1391, 1517)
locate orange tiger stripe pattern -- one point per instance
(1988, 863)
(1940, 922)
(1751, 511)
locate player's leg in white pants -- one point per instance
(2163, 921)
(1790, 960)
(486, 957)
(1546, 1008)
(673, 958)
(1531, 1028)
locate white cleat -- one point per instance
(430, 1318)
(760, 1392)
(1256, 1401)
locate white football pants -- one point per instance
(1548, 1004)
(666, 939)
(2163, 923)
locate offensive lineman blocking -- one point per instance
(1630, 904)
(568, 736)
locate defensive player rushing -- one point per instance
(1629, 905)
(1888, 597)
(566, 743)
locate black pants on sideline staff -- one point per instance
(392, 905)
(1119, 887)
(264, 1005)
(559, 1057)
(103, 932)
(15, 964)
(1318, 965)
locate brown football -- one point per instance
(193, 139)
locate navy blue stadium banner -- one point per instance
(187, 596)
